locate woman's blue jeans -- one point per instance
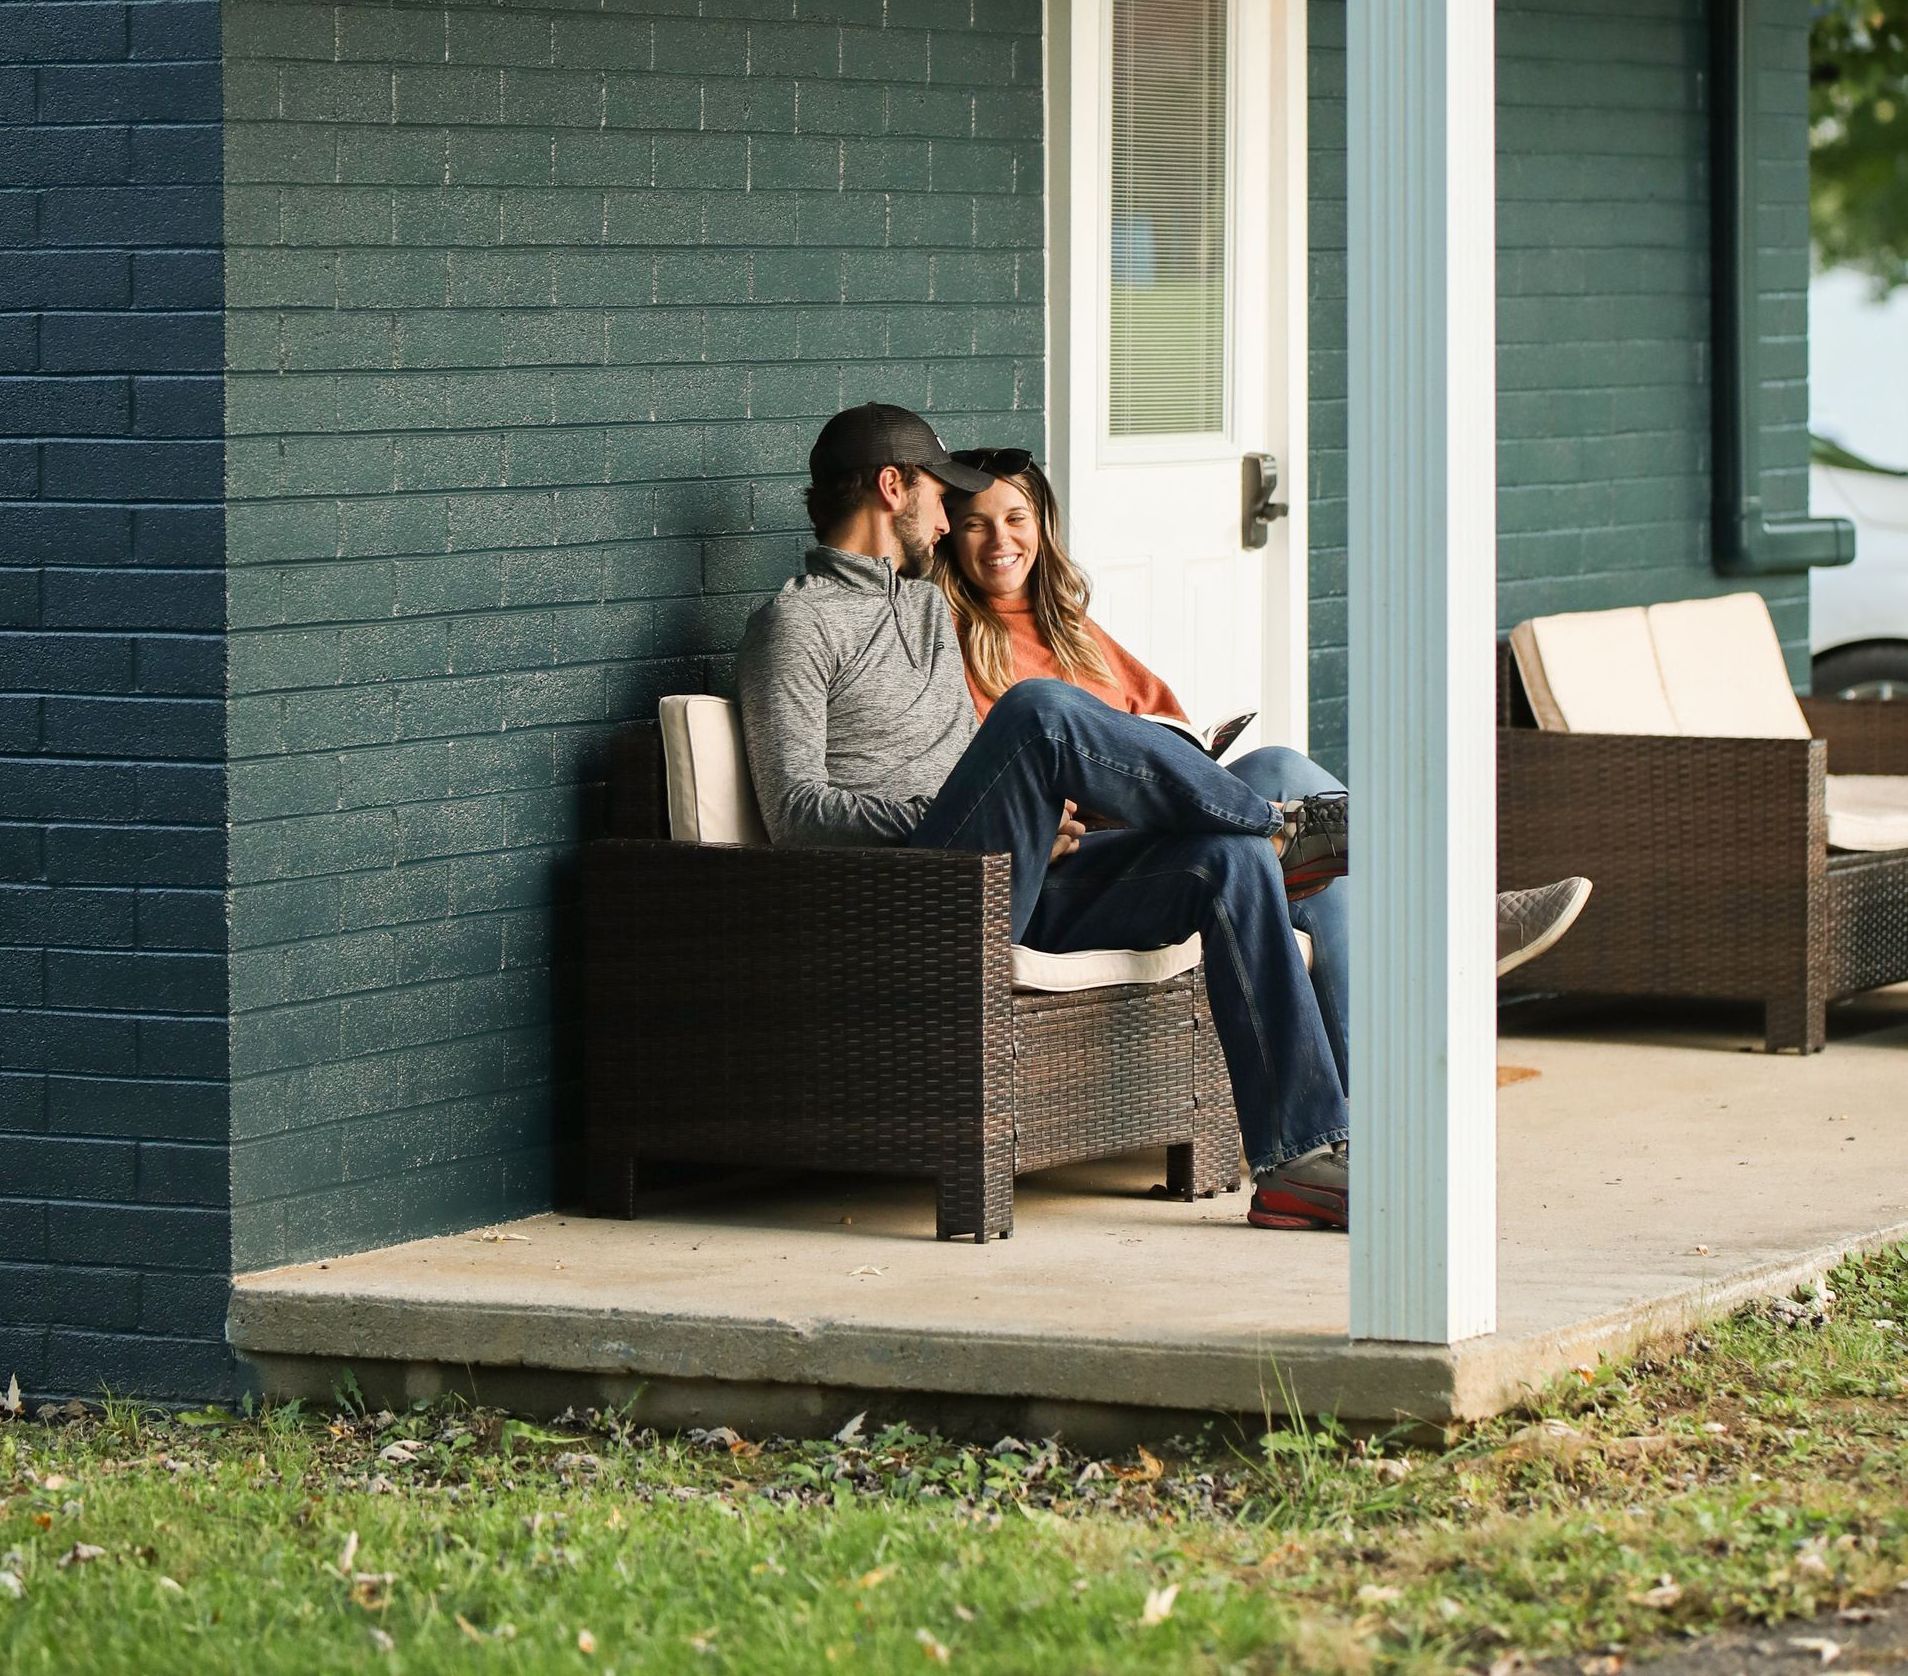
(1195, 855)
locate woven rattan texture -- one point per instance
(1711, 863)
(852, 1009)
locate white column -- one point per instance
(1422, 588)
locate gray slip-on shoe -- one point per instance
(1531, 921)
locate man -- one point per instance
(860, 730)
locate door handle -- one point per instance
(1261, 473)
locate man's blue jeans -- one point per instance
(1195, 856)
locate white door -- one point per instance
(1177, 336)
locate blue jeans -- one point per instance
(1279, 775)
(1195, 856)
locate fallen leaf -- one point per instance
(866, 1269)
(1546, 1440)
(497, 1236)
(1637, 1448)
(703, 1641)
(966, 1614)
(470, 1631)
(932, 1648)
(371, 1589)
(1665, 1595)
(10, 1405)
(348, 1554)
(171, 1586)
(851, 1433)
(402, 1453)
(585, 1642)
(1379, 1594)
(55, 1481)
(1601, 1664)
(82, 1553)
(1151, 1467)
(874, 1579)
(11, 1586)
(1824, 1649)
(1159, 1604)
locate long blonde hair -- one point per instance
(1060, 592)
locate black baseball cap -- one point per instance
(880, 434)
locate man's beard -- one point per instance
(916, 549)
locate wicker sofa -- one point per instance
(861, 1009)
(1745, 845)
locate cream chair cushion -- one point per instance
(1701, 669)
(1098, 968)
(1593, 672)
(1722, 669)
(1868, 811)
(711, 801)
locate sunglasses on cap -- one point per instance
(996, 462)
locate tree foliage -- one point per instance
(1858, 137)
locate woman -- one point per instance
(1020, 606)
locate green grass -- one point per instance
(1758, 1472)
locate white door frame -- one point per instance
(1073, 399)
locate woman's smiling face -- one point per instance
(996, 541)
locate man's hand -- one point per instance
(1067, 839)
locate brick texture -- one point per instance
(1604, 351)
(114, 1231)
(534, 312)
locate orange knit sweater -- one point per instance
(1134, 687)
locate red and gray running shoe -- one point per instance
(1314, 843)
(1310, 1191)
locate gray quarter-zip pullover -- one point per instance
(854, 706)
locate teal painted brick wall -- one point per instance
(534, 312)
(1604, 357)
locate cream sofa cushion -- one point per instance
(1868, 811)
(1722, 669)
(711, 799)
(1593, 672)
(1098, 968)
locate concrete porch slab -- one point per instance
(1652, 1176)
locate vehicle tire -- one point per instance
(1878, 669)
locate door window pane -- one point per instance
(1167, 356)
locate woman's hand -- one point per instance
(1067, 839)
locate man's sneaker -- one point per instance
(1311, 1191)
(1530, 921)
(1314, 842)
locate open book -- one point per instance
(1216, 740)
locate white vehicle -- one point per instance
(1858, 396)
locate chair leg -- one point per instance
(976, 1197)
(1794, 1023)
(611, 1187)
(1205, 1165)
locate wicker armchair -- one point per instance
(852, 1009)
(1713, 873)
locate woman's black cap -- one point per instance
(880, 434)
